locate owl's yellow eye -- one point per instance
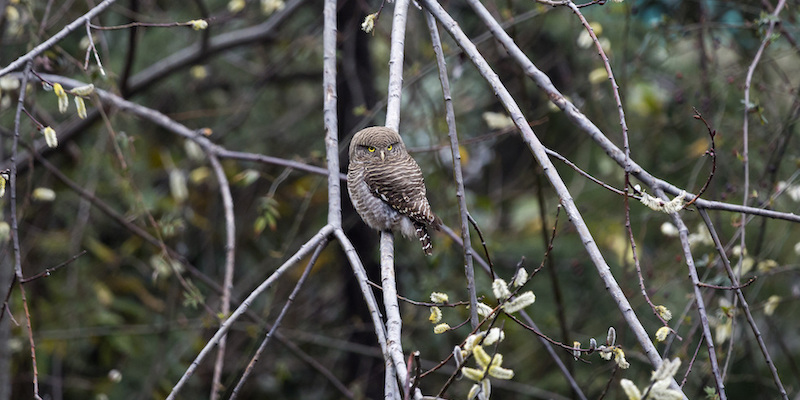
(371, 149)
(389, 148)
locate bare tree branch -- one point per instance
(57, 37)
(329, 114)
(278, 320)
(230, 252)
(458, 175)
(301, 253)
(15, 226)
(396, 375)
(698, 299)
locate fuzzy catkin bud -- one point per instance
(664, 312)
(486, 389)
(63, 100)
(471, 340)
(369, 23)
(661, 333)
(494, 335)
(484, 310)
(441, 328)
(84, 90)
(50, 137)
(81, 106)
(619, 358)
(522, 301)
(436, 315)
(501, 373)
(481, 356)
(198, 24)
(438, 297)
(500, 289)
(611, 336)
(520, 277)
(473, 374)
(630, 389)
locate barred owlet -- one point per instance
(386, 186)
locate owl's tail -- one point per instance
(424, 238)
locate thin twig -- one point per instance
(746, 284)
(608, 384)
(92, 49)
(712, 151)
(584, 173)
(421, 303)
(536, 332)
(15, 226)
(576, 389)
(483, 243)
(748, 109)
(50, 270)
(627, 162)
(565, 369)
(140, 24)
(192, 134)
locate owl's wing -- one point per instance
(402, 186)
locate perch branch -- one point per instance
(397, 374)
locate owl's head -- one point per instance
(376, 142)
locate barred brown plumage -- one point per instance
(386, 185)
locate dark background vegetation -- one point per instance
(120, 307)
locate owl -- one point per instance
(386, 186)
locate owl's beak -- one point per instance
(383, 155)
